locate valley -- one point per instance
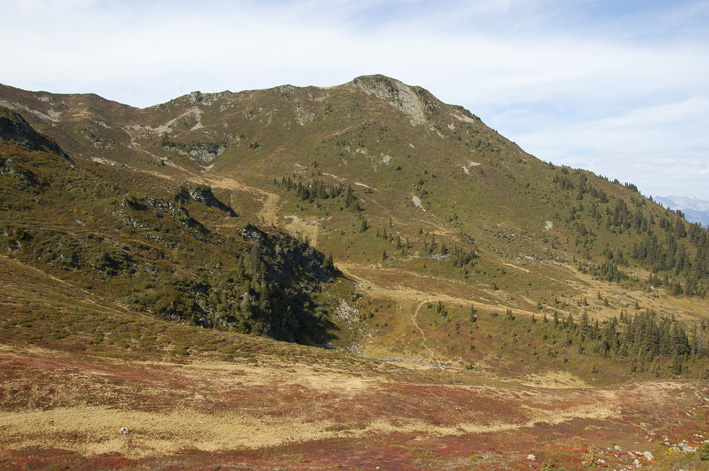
(357, 277)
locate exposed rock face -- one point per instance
(205, 152)
(398, 94)
(203, 194)
(163, 208)
(13, 127)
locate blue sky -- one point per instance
(620, 88)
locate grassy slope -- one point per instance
(521, 213)
(123, 235)
(240, 400)
(392, 314)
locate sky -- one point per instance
(617, 87)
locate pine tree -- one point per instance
(363, 226)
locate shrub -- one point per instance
(703, 452)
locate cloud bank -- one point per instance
(620, 88)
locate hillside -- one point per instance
(369, 218)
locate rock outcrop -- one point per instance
(13, 127)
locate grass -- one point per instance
(266, 379)
(92, 279)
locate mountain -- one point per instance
(414, 200)
(695, 210)
(434, 260)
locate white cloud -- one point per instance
(661, 148)
(666, 114)
(568, 83)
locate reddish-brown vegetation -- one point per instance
(65, 411)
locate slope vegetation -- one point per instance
(480, 308)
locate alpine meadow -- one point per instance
(354, 277)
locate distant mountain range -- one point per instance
(694, 210)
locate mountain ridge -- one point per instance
(458, 302)
(202, 153)
(388, 179)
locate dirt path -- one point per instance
(408, 294)
(423, 335)
(515, 266)
(408, 297)
(400, 293)
(270, 201)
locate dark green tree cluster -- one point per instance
(314, 190)
(609, 271)
(664, 242)
(400, 244)
(463, 258)
(675, 258)
(644, 336)
(263, 293)
(351, 201)
(645, 340)
(564, 182)
(620, 217)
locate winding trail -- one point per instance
(408, 294)
(408, 297)
(423, 335)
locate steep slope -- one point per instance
(413, 162)
(480, 309)
(418, 202)
(134, 239)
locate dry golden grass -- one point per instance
(217, 406)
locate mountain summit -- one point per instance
(388, 179)
(357, 276)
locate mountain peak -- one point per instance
(369, 218)
(407, 99)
